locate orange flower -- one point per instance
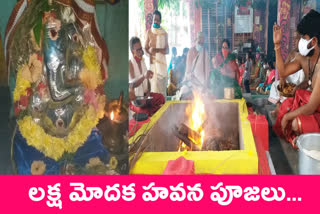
(88, 78)
(35, 67)
(33, 71)
(25, 73)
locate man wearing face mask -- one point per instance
(301, 114)
(139, 77)
(157, 47)
(197, 68)
(198, 62)
(297, 78)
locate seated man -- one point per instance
(296, 78)
(173, 82)
(301, 114)
(139, 80)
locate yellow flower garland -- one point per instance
(21, 86)
(90, 60)
(55, 147)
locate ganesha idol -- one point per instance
(57, 62)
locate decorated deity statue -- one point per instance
(57, 64)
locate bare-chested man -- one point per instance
(297, 78)
(301, 114)
(139, 84)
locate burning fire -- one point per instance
(197, 112)
(182, 147)
(202, 137)
(112, 115)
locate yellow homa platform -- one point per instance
(161, 144)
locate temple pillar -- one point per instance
(149, 7)
(283, 20)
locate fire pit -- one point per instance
(219, 141)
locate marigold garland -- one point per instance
(89, 79)
(55, 147)
(90, 60)
(21, 86)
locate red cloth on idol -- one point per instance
(156, 103)
(180, 166)
(306, 123)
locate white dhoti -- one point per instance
(158, 82)
(159, 65)
(274, 96)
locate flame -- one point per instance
(182, 146)
(196, 120)
(112, 115)
(202, 137)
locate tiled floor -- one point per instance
(284, 157)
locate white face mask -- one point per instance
(303, 47)
(265, 66)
